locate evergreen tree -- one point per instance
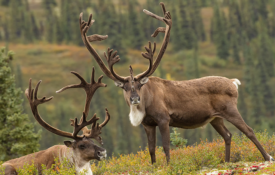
(264, 90)
(235, 48)
(261, 6)
(57, 31)
(185, 38)
(65, 20)
(256, 104)
(27, 33)
(242, 105)
(265, 50)
(135, 31)
(249, 18)
(16, 20)
(220, 33)
(271, 20)
(196, 20)
(175, 31)
(235, 28)
(35, 28)
(248, 63)
(265, 67)
(49, 13)
(17, 133)
(116, 38)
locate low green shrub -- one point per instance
(176, 140)
(184, 160)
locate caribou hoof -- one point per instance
(271, 159)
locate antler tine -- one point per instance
(150, 56)
(168, 21)
(34, 102)
(95, 131)
(81, 85)
(89, 88)
(107, 118)
(152, 15)
(163, 7)
(112, 58)
(84, 26)
(84, 123)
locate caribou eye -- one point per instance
(81, 146)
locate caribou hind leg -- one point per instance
(233, 116)
(218, 125)
(165, 134)
(151, 136)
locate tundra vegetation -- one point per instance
(204, 155)
(228, 38)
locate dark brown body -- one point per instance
(190, 104)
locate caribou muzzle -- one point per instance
(135, 100)
(102, 154)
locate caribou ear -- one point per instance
(69, 144)
(144, 80)
(119, 84)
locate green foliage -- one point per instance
(134, 33)
(220, 32)
(194, 158)
(176, 140)
(185, 35)
(17, 133)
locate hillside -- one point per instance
(52, 64)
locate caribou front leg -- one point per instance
(165, 134)
(151, 136)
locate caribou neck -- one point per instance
(74, 159)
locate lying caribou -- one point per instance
(78, 152)
(184, 104)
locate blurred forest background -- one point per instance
(228, 38)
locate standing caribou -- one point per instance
(163, 103)
(78, 152)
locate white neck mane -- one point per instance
(81, 166)
(85, 168)
(136, 116)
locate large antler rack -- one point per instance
(150, 53)
(112, 58)
(34, 102)
(90, 89)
